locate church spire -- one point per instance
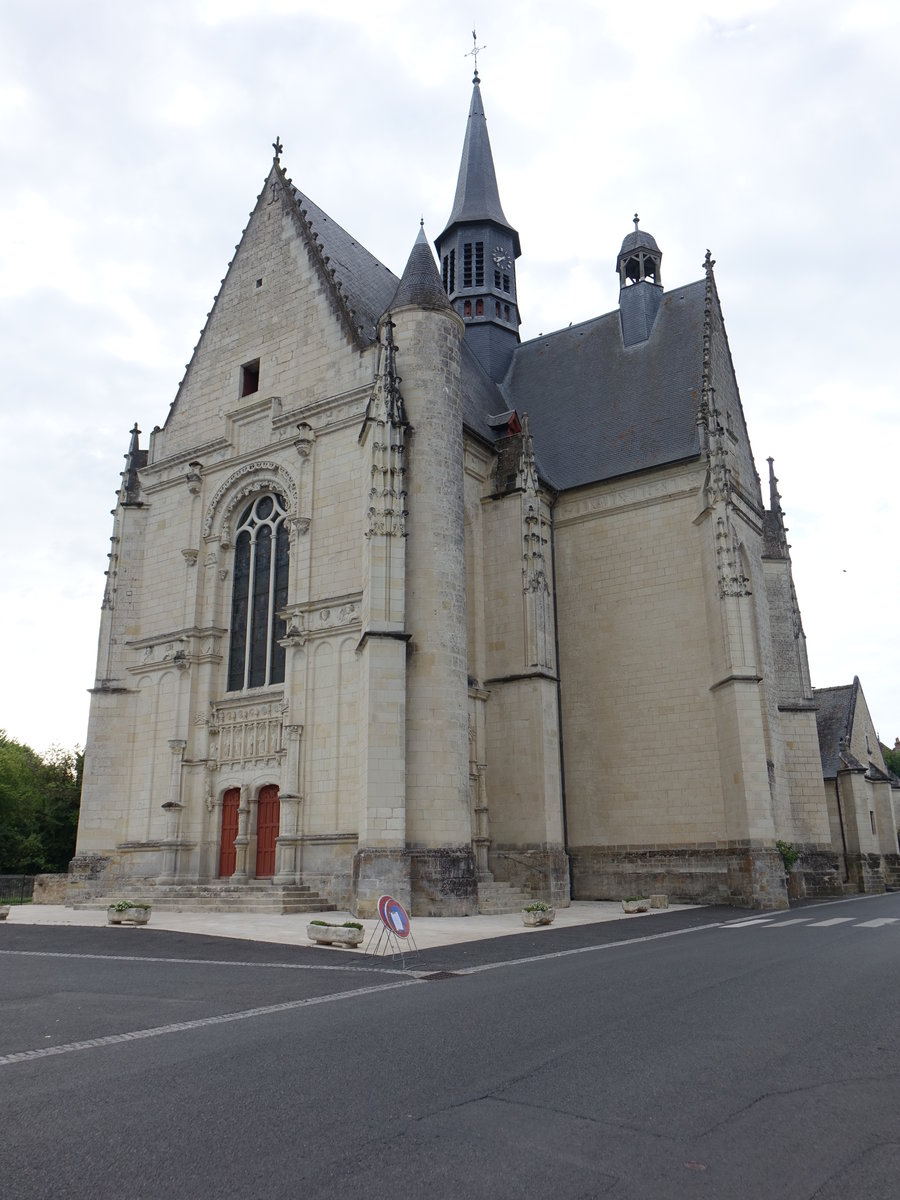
(478, 250)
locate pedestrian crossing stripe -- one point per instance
(775, 923)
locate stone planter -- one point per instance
(4, 911)
(635, 906)
(334, 935)
(138, 915)
(538, 917)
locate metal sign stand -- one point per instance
(394, 930)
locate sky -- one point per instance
(134, 139)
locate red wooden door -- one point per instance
(267, 816)
(230, 804)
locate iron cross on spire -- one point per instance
(277, 146)
(473, 53)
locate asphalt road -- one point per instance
(703, 1054)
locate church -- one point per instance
(398, 603)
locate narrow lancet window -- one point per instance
(259, 593)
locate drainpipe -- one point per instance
(562, 756)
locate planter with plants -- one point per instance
(538, 913)
(635, 904)
(350, 933)
(4, 911)
(128, 912)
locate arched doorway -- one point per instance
(231, 802)
(268, 811)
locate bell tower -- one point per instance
(640, 285)
(478, 251)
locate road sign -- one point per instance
(393, 916)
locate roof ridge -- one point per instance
(312, 239)
(601, 316)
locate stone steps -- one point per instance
(252, 898)
(495, 898)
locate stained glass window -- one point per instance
(259, 592)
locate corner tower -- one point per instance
(478, 251)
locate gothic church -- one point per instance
(399, 603)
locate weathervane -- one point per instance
(277, 147)
(636, 218)
(473, 53)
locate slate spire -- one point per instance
(477, 195)
(478, 250)
(420, 283)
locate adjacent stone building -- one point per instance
(397, 603)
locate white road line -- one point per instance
(536, 958)
(796, 921)
(749, 924)
(182, 1026)
(877, 923)
(206, 962)
(833, 921)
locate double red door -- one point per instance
(267, 818)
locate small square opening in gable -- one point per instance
(250, 378)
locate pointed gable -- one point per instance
(299, 301)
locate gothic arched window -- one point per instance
(259, 592)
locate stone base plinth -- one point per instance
(378, 873)
(746, 876)
(444, 882)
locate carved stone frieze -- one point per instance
(243, 734)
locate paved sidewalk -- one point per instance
(290, 929)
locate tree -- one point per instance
(892, 758)
(39, 799)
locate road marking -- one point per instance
(833, 921)
(182, 1026)
(877, 923)
(796, 921)
(536, 958)
(206, 962)
(749, 924)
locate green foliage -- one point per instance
(125, 905)
(892, 759)
(318, 922)
(39, 800)
(351, 925)
(788, 854)
(537, 906)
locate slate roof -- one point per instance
(598, 409)
(638, 238)
(420, 283)
(477, 195)
(834, 719)
(368, 284)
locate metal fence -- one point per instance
(16, 889)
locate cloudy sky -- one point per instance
(135, 137)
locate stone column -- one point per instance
(243, 838)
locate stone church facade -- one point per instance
(397, 603)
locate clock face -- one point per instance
(500, 257)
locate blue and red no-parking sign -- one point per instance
(393, 916)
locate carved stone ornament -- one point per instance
(264, 476)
